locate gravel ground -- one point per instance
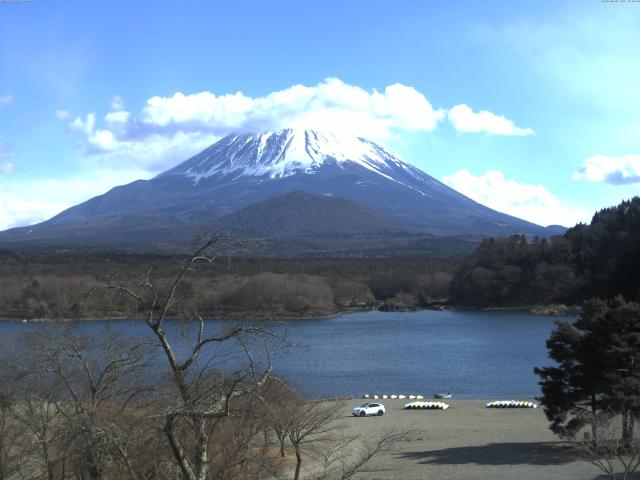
(470, 441)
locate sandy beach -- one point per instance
(470, 441)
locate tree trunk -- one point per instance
(92, 470)
(47, 462)
(296, 475)
(628, 425)
(282, 437)
(202, 445)
(178, 453)
(594, 423)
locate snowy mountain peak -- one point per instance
(287, 152)
(278, 184)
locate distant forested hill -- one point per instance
(601, 259)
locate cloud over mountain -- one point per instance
(167, 129)
(530, 201)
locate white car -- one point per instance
(368, 409)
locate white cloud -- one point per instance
(323, 106)
(116, 103)
(527, 201)
(5, 100)
(615, 170)
(6, 167)
(464, 119)
(18, 212)
(170, 129)
(103, 141)
(62, 114)
(153, 153)
(26, 203)
(120, 116)
(85, 125)
(167, 130)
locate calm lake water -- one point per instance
(471, 354)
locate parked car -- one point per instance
(368, 409)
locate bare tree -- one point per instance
(616, 455)
(281, 403)
(36, 412)
(73, 395)
(348, 456)
(312, 423)
(12, 440)
(315, 430)
(76, 396)
(238, 451)
(203, 390)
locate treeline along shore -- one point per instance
(67, 284)
(601, 260)
(596, 260)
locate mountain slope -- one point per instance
(301, 224)
(302, 214)
(245, 169)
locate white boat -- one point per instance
(442, 395)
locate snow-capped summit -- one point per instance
(287, 152)
(299, 152)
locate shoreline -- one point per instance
(537, 310)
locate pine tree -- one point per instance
(597, 368)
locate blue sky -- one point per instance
(532, 108)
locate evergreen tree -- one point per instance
(597, 368)
(596, 260)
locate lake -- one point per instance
(471, 354)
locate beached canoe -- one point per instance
(511, 404)
(426, 406)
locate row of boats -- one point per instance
(402, 397)
(419, 403)
(426, 406)
(511, 404)
(496, 404)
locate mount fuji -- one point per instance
(302, 184)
